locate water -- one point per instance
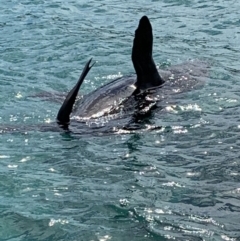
(177, 183)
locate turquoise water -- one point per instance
(177, 183)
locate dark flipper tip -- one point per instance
(63, 117)
(144, 23)
(88, 64)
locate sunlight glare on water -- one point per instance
(176, 178)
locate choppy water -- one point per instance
(179, 183)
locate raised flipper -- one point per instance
(63, 117)
(146, 70)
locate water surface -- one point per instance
(177, 183)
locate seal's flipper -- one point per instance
(63, 117)
(146, 70)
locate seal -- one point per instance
(101, 101)
(114, 98)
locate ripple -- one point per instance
(174, 175)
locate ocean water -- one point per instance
(181, 182)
